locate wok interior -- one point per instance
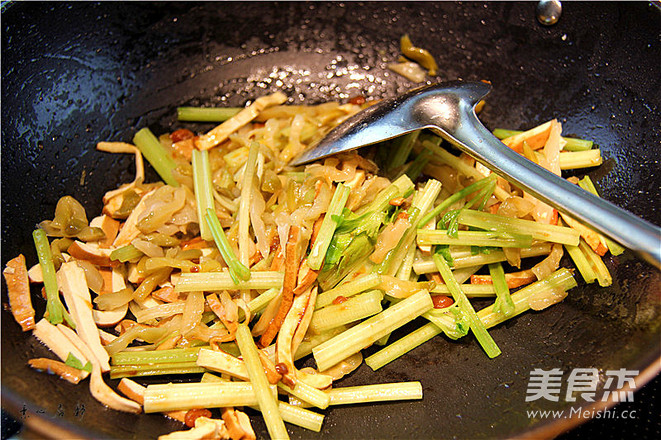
(81, 73)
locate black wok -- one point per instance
(77, 73)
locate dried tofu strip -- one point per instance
(72, 282)
(100, 391)
(54, 339)
(535, 137)
(224, 130)
(70, 374)
(18, 290)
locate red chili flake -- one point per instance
(281, 368)
(441, 301)
(288, 381)
(339, 300)
(181, 135)
(403, 215)
(193, 414)
(397, 201)
(195, 269)
(357, 100)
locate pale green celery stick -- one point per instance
(328, 225)
(604, 277)
(238, 271)
(404, 272)
(423, 203)
(464, 168)
(400, 150)
(306, 346)
(176, 355)
(402, 346)
(353, 309)
(363, 248)
(504, 303)
(426, 265)
(384, 392)
(445, 322)
(346, 290)
(212, 281)
(299, 416)
(244, 204)
(470, 290)
(383, 341)
(582, 264)
(201, 114)
(185, 396)
(258, 303)
(572, 160)
(539, 231)
(203, 189)
(476, 326)
(573, 144)
(126, 253)
(119, 371)
(364, 334)
(54, 306)
(308, 394)
(454, 198)
(268, 404)
(474, 238)
(586, 184)
(156, 155)
(561, 279)
(414, 168)
(400, 186)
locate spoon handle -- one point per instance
(633, 232)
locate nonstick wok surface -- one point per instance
(77, 73)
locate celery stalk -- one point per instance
(154, 152)
(238, 271)
(476, 326)
(503, 302)
(470, 290)
(538, 231)
(586, 184)
(454, 198)
(573, 144)
(346, 290)
(582, 264)
(258, 303)
(461, 166)
(155, 357)
(353, 309)
(561, 279)
(328, 225)
(126, 253)
(119, 371)
(400, 149)
(474, 238)
(372, 393)
(402, 346)
(203, 189)
(185, 396)
(367, 332)
(572, 160)
(604, 277)
(210, 281)
(308, 394)
(201, 114)
(54, 306)
(268, 404)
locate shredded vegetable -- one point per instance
(239, 265)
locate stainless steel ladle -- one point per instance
(448, 109)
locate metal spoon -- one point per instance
(448, 109)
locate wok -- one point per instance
(77, 73)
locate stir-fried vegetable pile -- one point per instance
(235, 265)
